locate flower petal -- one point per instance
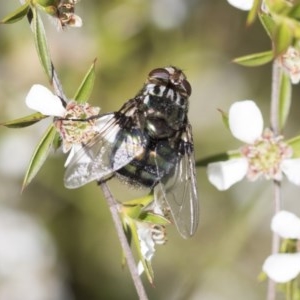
(42, 100)
(282, 267)
(286, 224)
(75, 21)
(226, 173)
(140, 268)
(291, 168)
(245, 121)
(146, 241)
(241, 4)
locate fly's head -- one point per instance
(172, 78)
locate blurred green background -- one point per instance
(130, 38)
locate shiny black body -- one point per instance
(147, 143)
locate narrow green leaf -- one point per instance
(253, 12)
(285, 98)
(57, 141)
(296, 30)
(41, 43)
(295, 144)
(39, 156)
(224, 118)
(142, 201)
(218, 157)
(283, 38)
(254, 60)
(133, 208)
(17, 15)
(295, 12)
(279, 7)
(132, 211)
(153, 218)
(268, 23)
(83, 93)
(25, 121)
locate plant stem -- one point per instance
(113, 206)
(274, 120)
(274, 113)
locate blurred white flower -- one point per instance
(241, 4)
(149, 235)
(290, 63)
(28, 264)
(264, 154)
(283, 267)
(286, 225)
(168, 14)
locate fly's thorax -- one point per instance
(164, 109)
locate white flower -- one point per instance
(286, 225)
(263, 155)
(149, 235)
(241, 4)
(290, 63)
(146, 241)
(42, 100)
(72, 120)
(283, 267)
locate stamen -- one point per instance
(265, 156)
(72, 128)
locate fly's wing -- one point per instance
(111, 149)
(179, 189)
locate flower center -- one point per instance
(265, 156)
(77, 126)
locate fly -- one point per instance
(147, 143)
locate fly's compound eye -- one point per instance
(159, 73)
(186, 85)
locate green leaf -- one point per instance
(39, 156)
(253, 12)
(285, 98)
(295, 12)
(283, 38)
(150, 217)
(57, 141)
(268, 23)
(17, 15)
(254, 60)
(41, 43)
(279, 7)
(224, 118)
(295, 144)
(218, 157)
(142, 201)
(133, 208)
(132, 211)
(25, 121)
(84, 91)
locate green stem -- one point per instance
(289, 290)
(275, 95)
(114, 209)
(274, 120)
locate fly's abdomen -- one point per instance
(151, 166)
